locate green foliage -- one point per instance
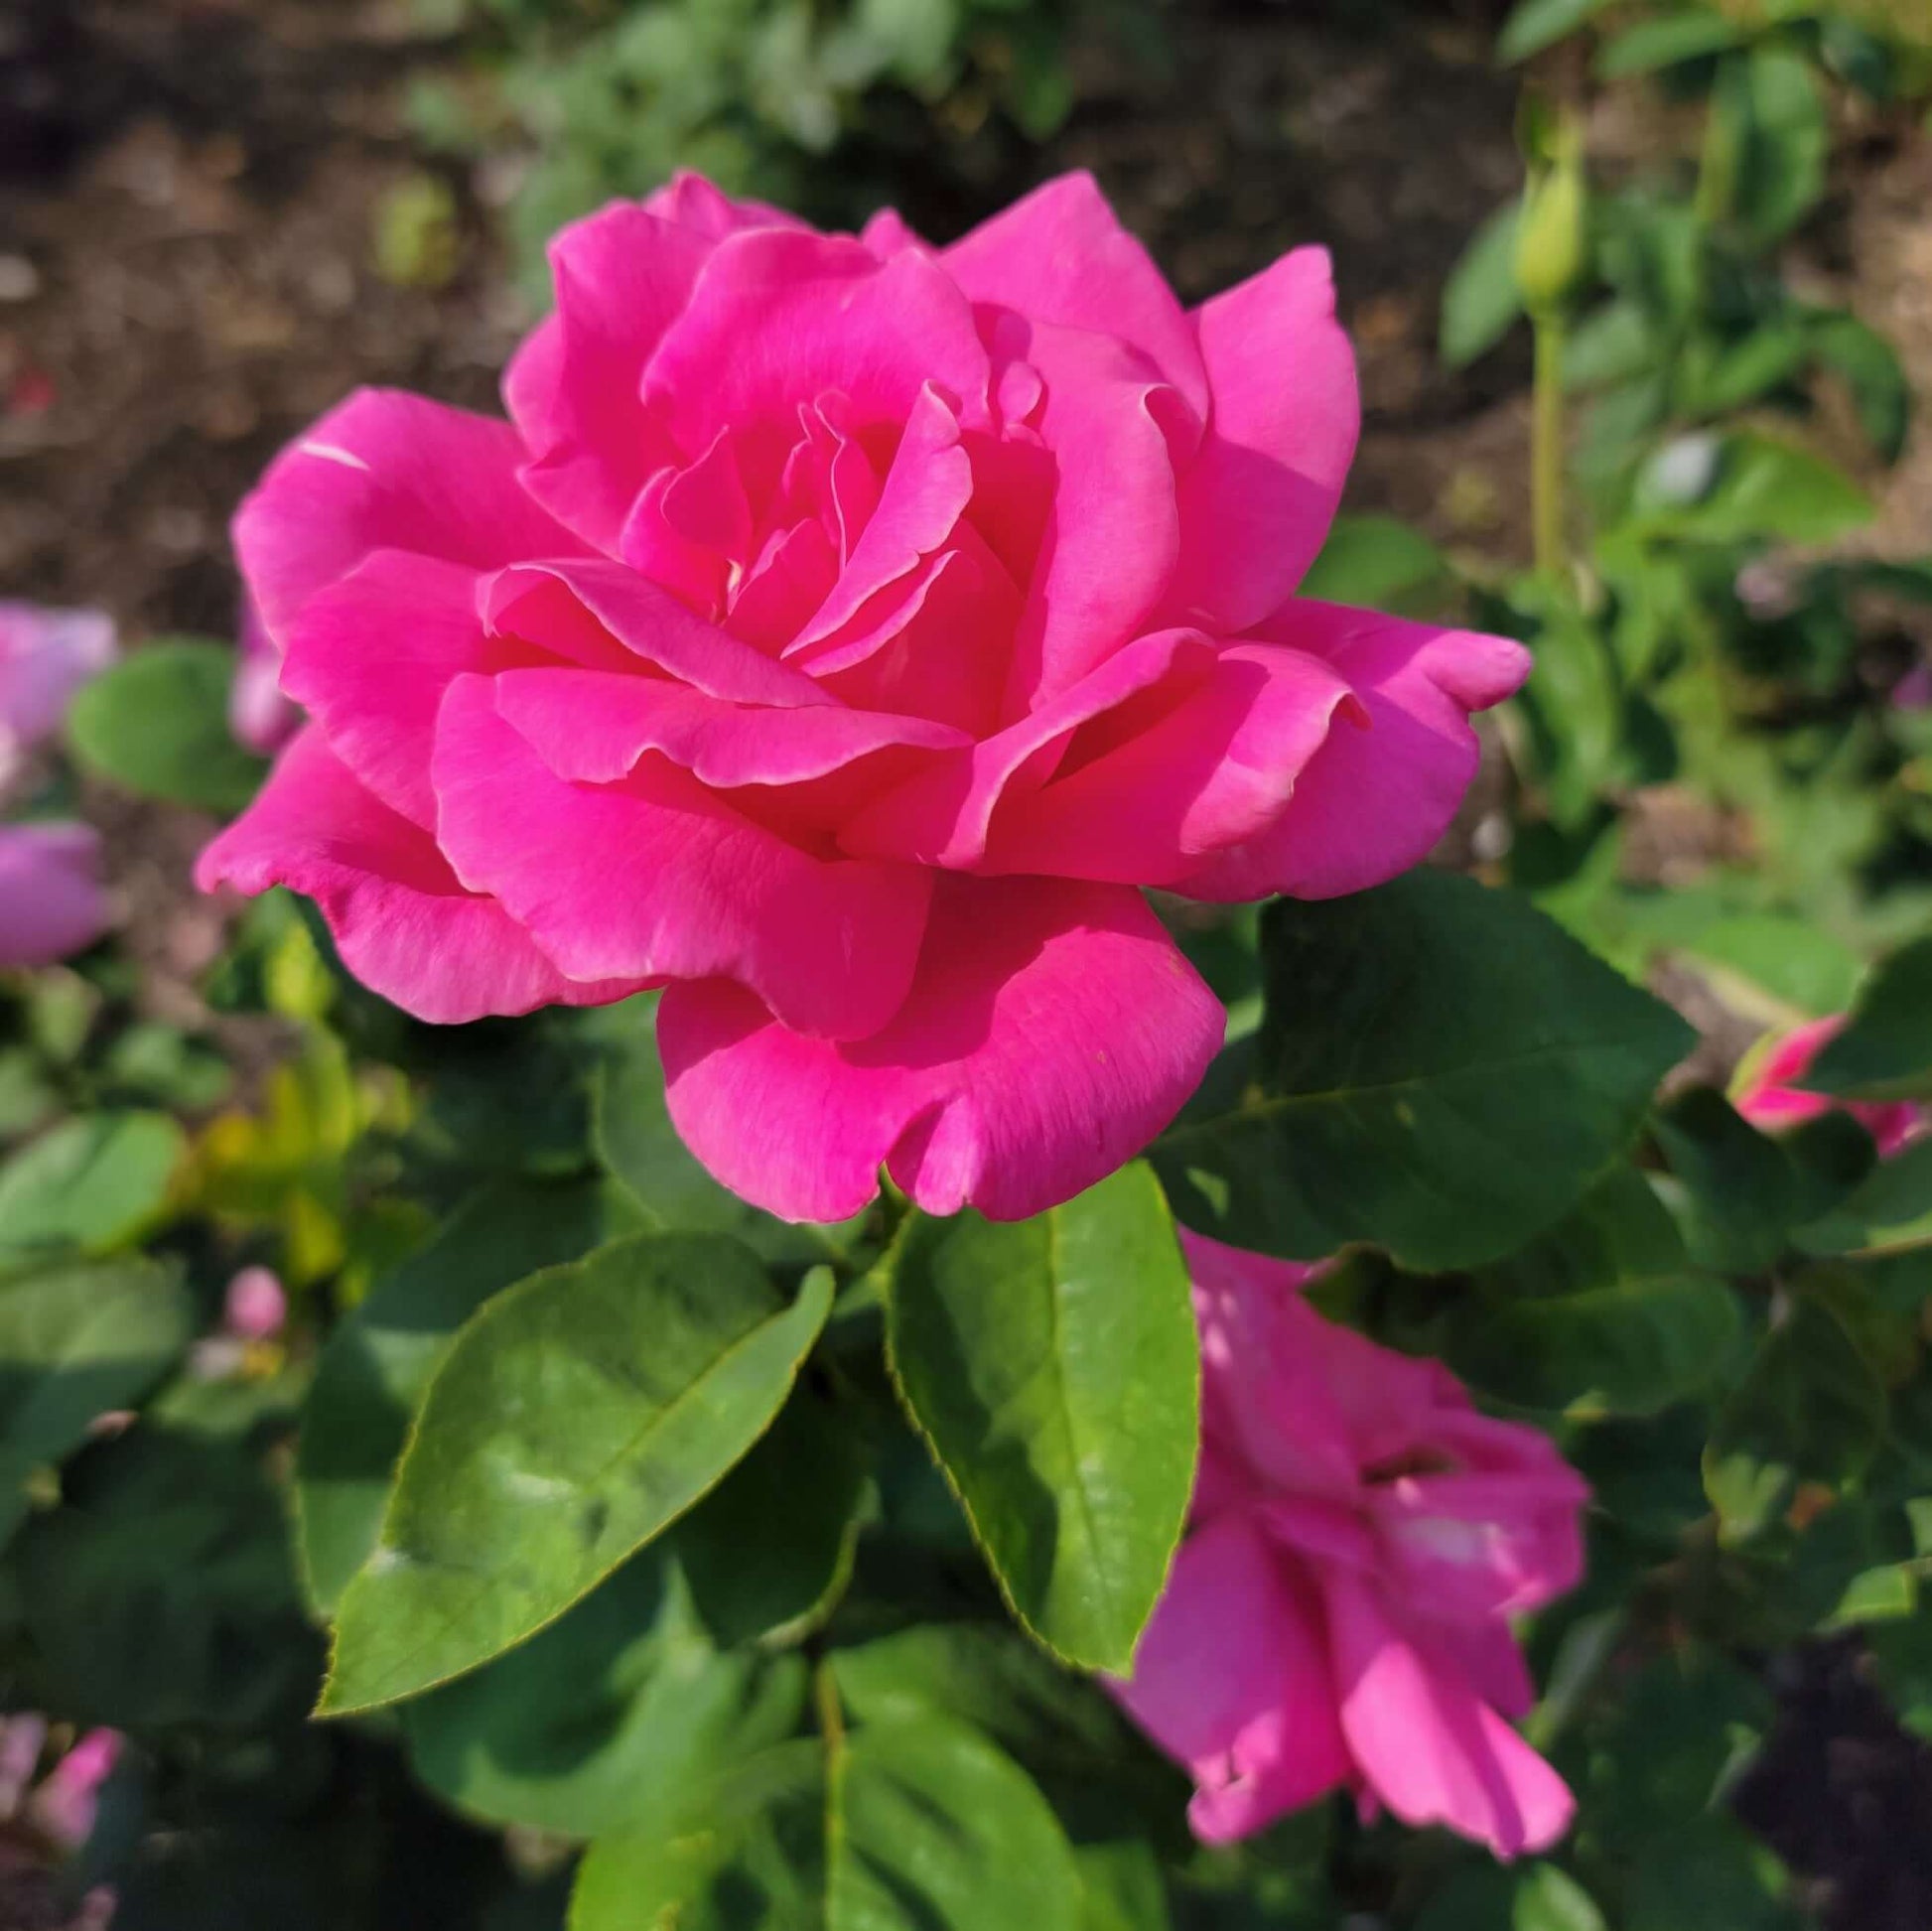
(157, 726)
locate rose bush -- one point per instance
(840, 634)
(1338, 1614)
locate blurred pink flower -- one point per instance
(257, 1306)
(1913, 691)
(1768, 1097)
(68, 1800)
(1338, 1613)
(259, 716)
(51, 901)
(45, 655)
(840, 634)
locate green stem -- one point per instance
(1547, 447)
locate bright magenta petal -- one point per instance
(1141, 799)
(659, 878)
(623, 277)
(1258, 500)
(52, 904)
(1051, 1031)
(1232, 1679)
(403, 923)
(1060, 255)
(1372, 801)
(1427, 1745)
(693, 202)
(386, 470)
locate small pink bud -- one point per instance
(256, 1305)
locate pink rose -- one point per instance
(1768, 1098)
(45, 655)
(260, 718)
(1338, 1614)
(840, 635)
(52, 902)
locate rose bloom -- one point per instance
(1768, 1097)
(1338, 1614)
(45, 655)
(840, 634)
(52, 901)
(260, 718)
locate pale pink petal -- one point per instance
(1060, 255)
(1232, 1679)
(45, 655)
(592, 727)
(1052, 1030)
(779, 315)
(1112, 528)
(402, 922)
(1140, 798)
(260, 718)
(385, 471)
(946, 816)
(695, 204)
(1372, 801)
(623, 275)
(51, 903)
(585, 610)
(257, 1306)
(1427, 1746)
(1257, 501)
(659, 878)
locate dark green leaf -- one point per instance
(1655, 44)
(611, 1713)
(1870, 368)
(1764, 490)
(1781, 139)
(1441, 1071)
(1735, 1193)
(1889, 1211)
(919, 1827)
(1886, 1049)
(1809, 1409)
(1052, 1365)
(371, 1376)
(1482, 302)
(93, 1184)
(157, 725)
(574, 1418)
(74, 1342)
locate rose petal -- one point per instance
(45, 655)
(52, 904)
(1060, 255)
(1051, 1031)
(1258, 498)
(387, 471)
(692, 200)
(1428, 1747)
(623, 276)
(659, 878)
(1232, 1679)
(1372, 802)
(402, 922)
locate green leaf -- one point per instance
(1481, 302)
(1870, 368)
(1052, 1365)
(611, 1713)
(1537, 24)
(1655, 44)
(918, 1826)
(161, 1593)
(1780, 955)
(634, 1138)
(1736, 1195)
(93, 1182)
(1890, 1210)
(1886, 1049)
(1809, 1409)
(1375, 563)
(1765, 490)
(76, 1343)
(1442, 1070)
(1121, 1887)
(370, 1379)
(157, 725)
(1539, 1898)
(1777, 129)
(576, 1416)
